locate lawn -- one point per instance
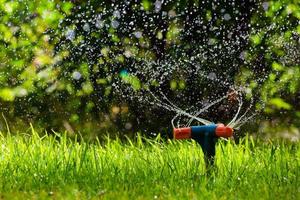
(55, 167)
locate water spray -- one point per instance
(207, 134)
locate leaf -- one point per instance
(132, 80)
(280, 103)
(256, 39)
(173, 85)
(146, 5)
(276, 66)
(7, 94)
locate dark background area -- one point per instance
(63, 63)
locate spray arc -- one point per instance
(205, 135)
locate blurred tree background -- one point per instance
(77, 65)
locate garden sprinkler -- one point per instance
(206, 136)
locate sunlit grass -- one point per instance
(53, 166)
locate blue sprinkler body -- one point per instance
(205, 136)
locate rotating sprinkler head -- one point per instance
(205, 135)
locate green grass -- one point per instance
(51, 167)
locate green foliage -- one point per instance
(28, 31)
(59, 60)
(279, 103)
(132, 80)
(275, 49)
(146, 5)
(7, 94)
(56, 167)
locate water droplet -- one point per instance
(76, 75)
(86, 27)
(127, 53)
(115, 24)
(70, 34)
(157, 5)
(138, 34)
(22, 92)
(242, 55)
(265, 5)
(212, 75)
(227, 17)
(99, 23)
(128, 125)
(117, 14)
(172, 13)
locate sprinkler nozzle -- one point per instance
(182, 133)
(223, 131)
